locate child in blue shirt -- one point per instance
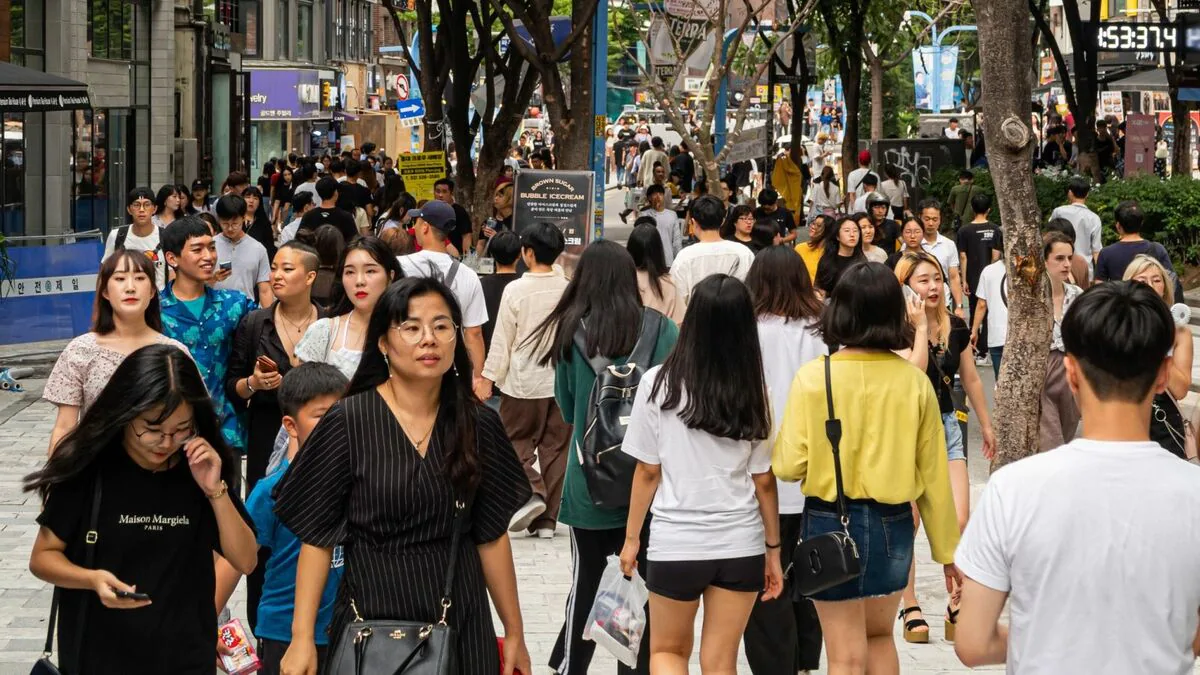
(306, 393)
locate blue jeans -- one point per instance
(884, 535)
(996, 353)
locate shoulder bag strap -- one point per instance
(833, 431)
(460, 509)
(452, 272)
(89, 560)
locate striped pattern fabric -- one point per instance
(360, 482)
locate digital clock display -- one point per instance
(1136, 37)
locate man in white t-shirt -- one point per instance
(433, 222)
(1093, 544)
(944, 249)
(141, 234)
(854, 186)
(711, 254)
(300, 206)
(1086, 222)
(992, 293)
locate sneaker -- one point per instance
(526, 514)
(981, 360)
(545, 533)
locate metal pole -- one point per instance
(599, 108)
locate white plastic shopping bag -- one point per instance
(618, 616)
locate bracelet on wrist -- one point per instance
(221, 492)
(770, 546)
(249, 387)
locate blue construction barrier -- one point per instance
(51, 293)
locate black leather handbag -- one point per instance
(45, 666)
(397, 647)
(831, 559)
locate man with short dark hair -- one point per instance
(959, 201)
(666, 221)
(656, 154)
(951, 130)
(328, 212)
(945, 250)
(351, 195)
(243, 261)
(301, 205)
(1114, 258)
(979, 244)
(305, 180)
(462, 236)
(1106, 521)
(530, 414)
(202, 317)
(711, 254)
(433, 223)
(1086, 222)
(769, 208)
(141, 234)
(505, 250)
(868, 186)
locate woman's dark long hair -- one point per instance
(155, 375)
(646, 247)
(717, 361)
(459, 407)
(830, 239)
(381, 253)
(603, 296)
(260, 214)
(393, 187)
(779, 283)
(160, 200)
(124, 260)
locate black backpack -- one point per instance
(608, 471)
(123, 233)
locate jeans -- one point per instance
(996, 353)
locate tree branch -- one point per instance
(577, 30)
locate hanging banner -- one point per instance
(934, 70)
(676, 34)
(564, 198)
(420, 170)
(1139, 144)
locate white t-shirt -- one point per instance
(150, 244)
(895, 191)
(1087, 229)
(250, 264)
(465, 285)
(1096, 544)
(854, 180)
(992, 292)
(289, 231)
(310, 188)
(698, 261)
(668, 230)
(786, 345)
(705, 507)
(860, 203)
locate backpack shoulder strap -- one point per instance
(452, 272)
(122, 233)
(597, 363)
(643, 351)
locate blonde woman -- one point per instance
(942, 348)
(1167, 427)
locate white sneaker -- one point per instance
(545, 533)
(526, 514)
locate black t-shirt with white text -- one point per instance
(339, 218)
(977, 241)
(157, 531)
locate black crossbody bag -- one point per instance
(830, 559)
(44, 665)
(398, 647)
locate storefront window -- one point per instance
(282, 32)
(12, 175)
(304, 31)
(249, 26)
(110, 28)
(89, 191)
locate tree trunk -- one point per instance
(876, 66)
(852, 90)
(1006, 64)
(1181, 153)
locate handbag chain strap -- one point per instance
(460, 508)
(89, 560)
(833, 430)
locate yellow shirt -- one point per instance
(893, 447)
(811, 257)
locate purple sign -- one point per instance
(285, 95)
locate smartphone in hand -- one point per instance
(131, 595)
(266, 365)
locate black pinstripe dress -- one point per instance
(358, 481)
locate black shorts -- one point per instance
(685, 580)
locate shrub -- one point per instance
(1051, 189)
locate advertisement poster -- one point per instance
(1110, 104)
(285, 95)
(934, 70)
(563, 198)
(420, 170)
(1139, 144)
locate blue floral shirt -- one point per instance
(210, 339)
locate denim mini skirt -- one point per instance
(884, 535)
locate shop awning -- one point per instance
(27, 90)
(1147, 80)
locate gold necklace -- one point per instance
(307, 321)
(420, 442)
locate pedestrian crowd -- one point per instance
(715, 407)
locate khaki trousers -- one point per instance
(538, 433)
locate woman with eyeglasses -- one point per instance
(125, 319)
(739, 225)
(387, 472)
(811, 251)
(148, 465)
(942, 348)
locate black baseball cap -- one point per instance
(437, 213)
(199, 185)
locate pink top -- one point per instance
(84, 368)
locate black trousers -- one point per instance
(782, 636)
(572, 655)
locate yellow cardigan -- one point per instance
(893, 447)
(811, 257)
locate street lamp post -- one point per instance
(935, 97)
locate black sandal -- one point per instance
(911, 634)
(951, 623)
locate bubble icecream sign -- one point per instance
(564, 198)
